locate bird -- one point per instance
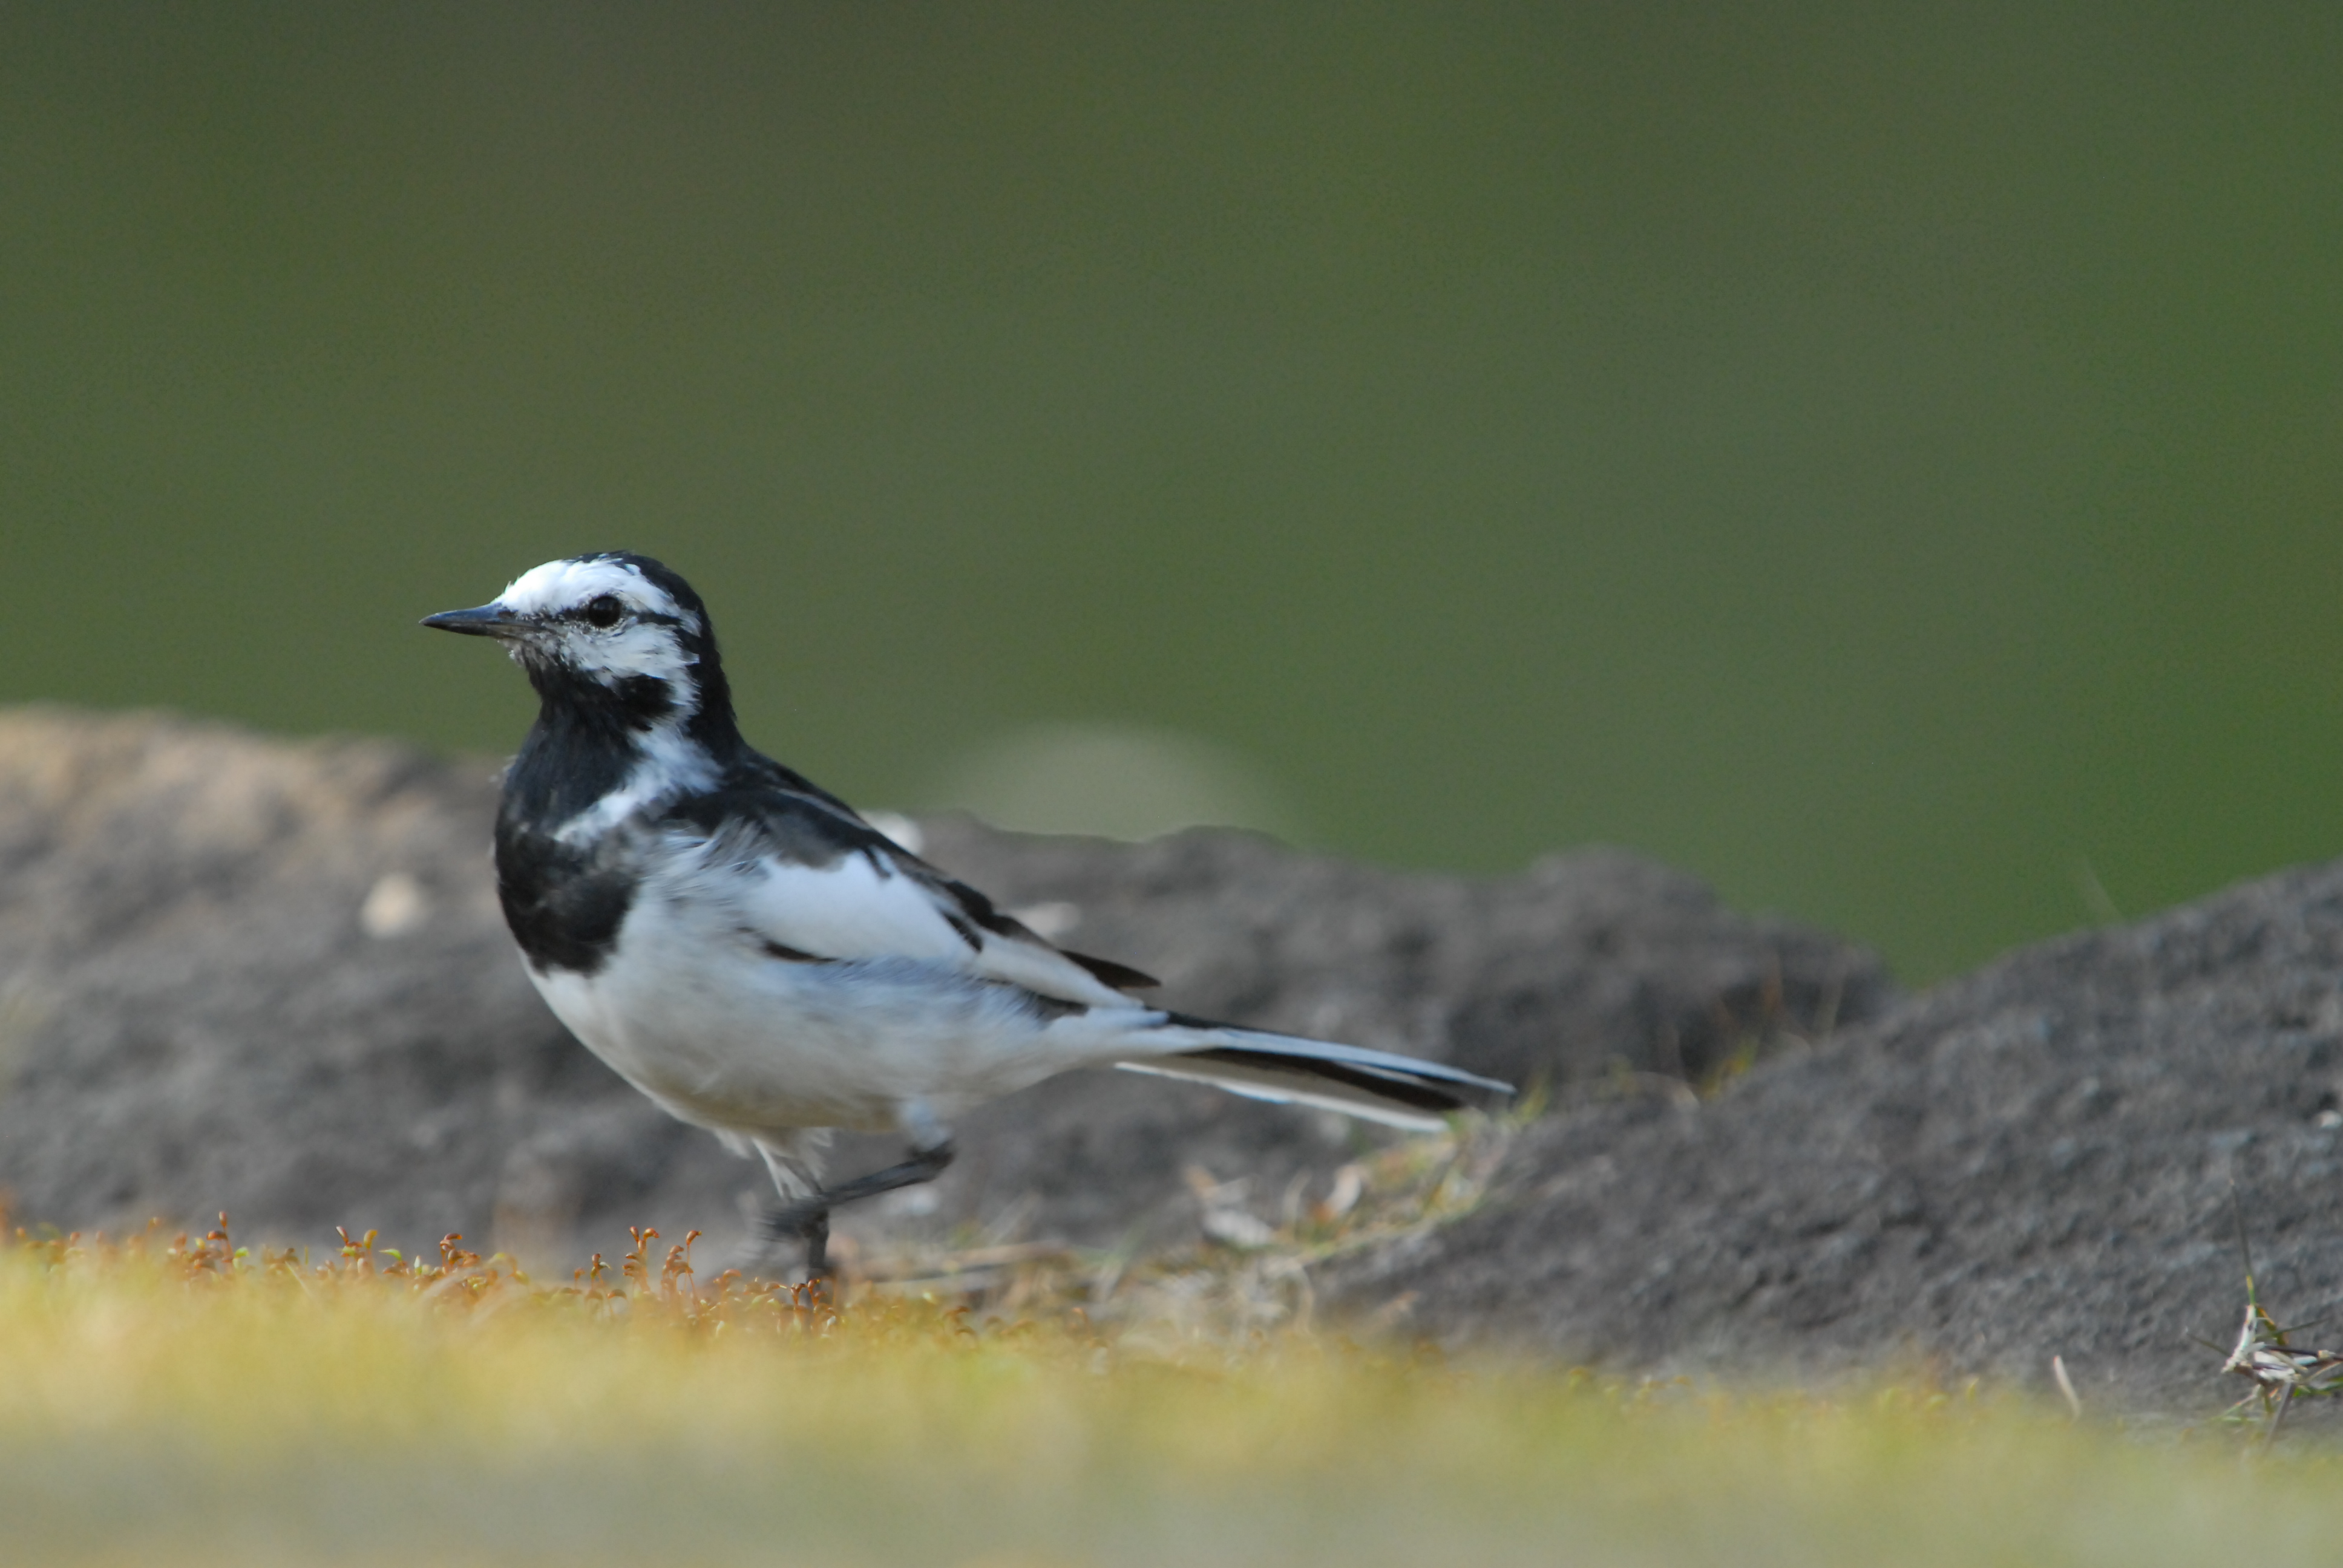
(755, 955)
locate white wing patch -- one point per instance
(854, 909)
(847, 910)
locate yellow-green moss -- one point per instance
(186, 1402)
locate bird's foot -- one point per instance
(808, 1217)
(806, 1220)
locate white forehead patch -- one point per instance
(559, 586)
(632, 647)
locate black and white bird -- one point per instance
(762, 962)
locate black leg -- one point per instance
(809, 1217)
(816, 1232)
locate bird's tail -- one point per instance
(1376, 1085)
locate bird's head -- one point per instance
(614, 634)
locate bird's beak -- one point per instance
(489, 620)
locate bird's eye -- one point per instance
(604, 611)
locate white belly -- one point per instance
(693, 1013)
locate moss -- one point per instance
(186, 1399)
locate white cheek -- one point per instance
(647, 651)
(615, 656)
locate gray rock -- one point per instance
(2034, 1161)
(271, 978)
(197, 1011)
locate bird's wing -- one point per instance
(813, 881)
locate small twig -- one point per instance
(2284, 1399)
(2067, 1386)
(973, 1258)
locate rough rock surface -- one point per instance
(271, 978)
(2036, 1160)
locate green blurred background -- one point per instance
(1884, 458)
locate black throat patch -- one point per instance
(563, 902)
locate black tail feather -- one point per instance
(1415, 1092)
(1379, 1085)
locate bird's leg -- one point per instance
(816, 1232)
(809, 1217)
(804, 1215)
(924, 1165)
